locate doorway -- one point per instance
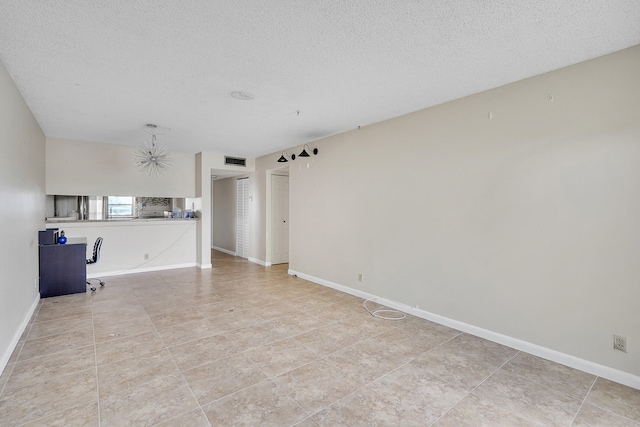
(279, 219)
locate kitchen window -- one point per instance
(121, 206)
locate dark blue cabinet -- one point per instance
(63, 269)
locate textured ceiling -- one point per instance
(99, 70)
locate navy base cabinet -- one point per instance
(63, 269)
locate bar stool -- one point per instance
(94, 259)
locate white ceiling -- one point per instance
(99, 70)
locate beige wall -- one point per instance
(97, 169)
(525, 224)
(224, 214)
(22, 197)
(260, 216)
(91, 168)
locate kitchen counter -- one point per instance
(119, 220)
(133, 245)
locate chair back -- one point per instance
(96, 251)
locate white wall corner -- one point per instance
(260, 262)
(16, 337)
(223, 250)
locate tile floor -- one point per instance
(245, 345)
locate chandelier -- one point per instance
(152, 158)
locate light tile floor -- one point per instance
(245, 345)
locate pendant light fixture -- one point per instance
(305, 153)
(283, 157)
(151, 157)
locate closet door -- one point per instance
(242, 217)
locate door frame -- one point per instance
(284, 170)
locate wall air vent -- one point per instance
(235, 161)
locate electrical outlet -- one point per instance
(360, 277)
(620, 343)
(146, 256)
(36, 282)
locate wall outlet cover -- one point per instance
(620, 343)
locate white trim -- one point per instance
(226, 251)
(16, 337)
(341, 288)
(204, 266)
(603, 371)
(143, 270)
(260, 262)
(254, 260)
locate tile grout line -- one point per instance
(267, 378)
(361, 386)
(584, 400)
(496, 370)
(608, 410)
(4, 386)
(68, 374)
(95, 355)
(184, 379)
(470, 392)
(408, 362)
(13, 365)
(358, 386)
(309, 416)
(132, 357)
(271, 380)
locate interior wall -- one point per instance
(260, 216)
(98, 169)
(514, 210)
(22, 192)
(208, 164)
(134, 246)
(203, 227)
(224, 214)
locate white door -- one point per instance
(279, 219)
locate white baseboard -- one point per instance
(16, 337)
(606, 372)
(260, 262)
(226, 251)
(204, 266)
(142, 270)
(254, 260)
(332, 285)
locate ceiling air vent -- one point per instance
(235, 161)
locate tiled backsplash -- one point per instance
(152, 206)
